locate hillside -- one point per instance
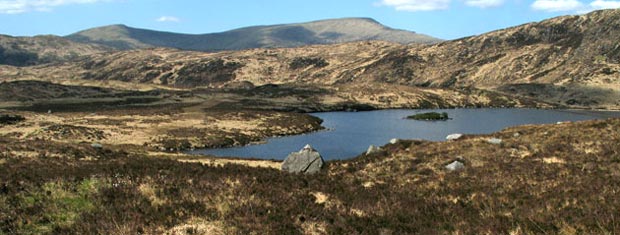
(273, 36)
(569, 60)
(24, 51)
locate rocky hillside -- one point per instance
(24, 51)
(273, 36)
(570, 60)
(320, 65)
(561, 57)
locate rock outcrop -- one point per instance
(306, 161)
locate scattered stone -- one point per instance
(307, 161)
(394, 141)
(96, 145)
(494, 141)
(454, 136)
(373, 149)
(455, 165)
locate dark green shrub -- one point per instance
(6, 119)
(303, 62)
(431, 116)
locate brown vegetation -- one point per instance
(573, 57)
(552, 179)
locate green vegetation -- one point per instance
(304, 62)
(432, 116)
(55, 205)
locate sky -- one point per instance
(446, 19)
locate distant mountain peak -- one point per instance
(327, 31)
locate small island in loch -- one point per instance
(430, 116)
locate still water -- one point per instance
(349, 134)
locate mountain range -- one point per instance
(273, 36)
(24, 51)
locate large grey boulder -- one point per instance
(307, 161)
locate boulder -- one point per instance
(454, 136)
(455, 165)
(306, 161)
(372, 149)
(494, 141)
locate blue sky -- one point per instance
(447, 19)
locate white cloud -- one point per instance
(417, 5)
(168, 19)
(21, 6)
(484, 3)
(557, 5)
(602, 4)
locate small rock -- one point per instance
(394, 141)
(494, 141)
(455, 165)
(307, 161)
(454, 136)
(96, 145)
(307, 148)
(516, 134)
(372, 149)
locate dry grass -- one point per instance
(162, 131)
(549, 179)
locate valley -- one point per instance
(97, 131)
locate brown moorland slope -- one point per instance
(570, 60)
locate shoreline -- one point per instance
(593, 114)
